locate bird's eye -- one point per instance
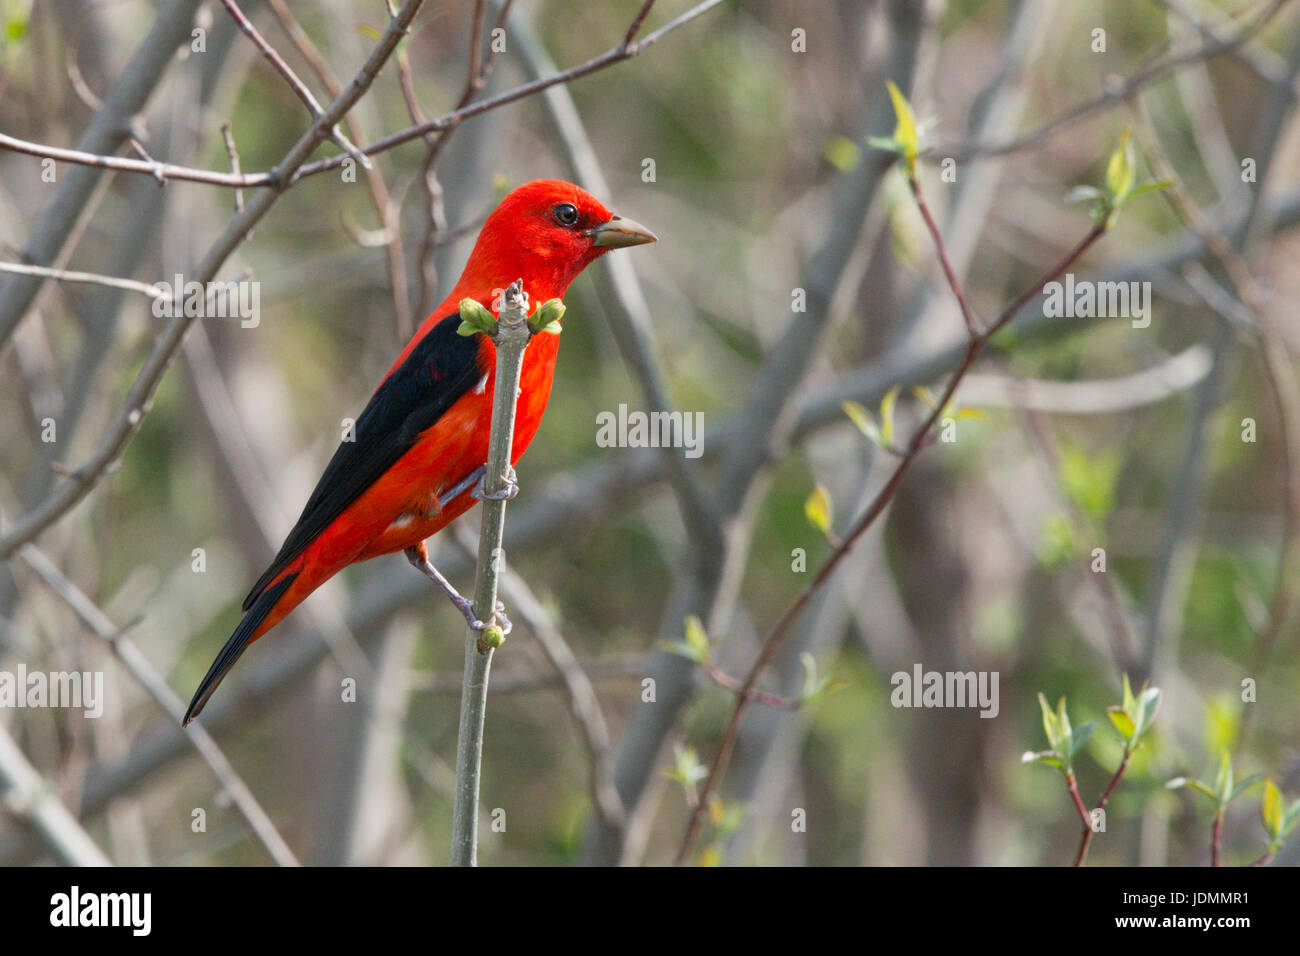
(565, 213)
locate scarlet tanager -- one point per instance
(410, 465)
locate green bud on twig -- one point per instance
(492, 637)
(475, 318)
(547, 317)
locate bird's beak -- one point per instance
(619, 232)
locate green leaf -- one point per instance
(1290, 818)
(887, 416)
(862, 419)
(884, 143)
(1148, 705)
(1129, 704)
(1179, 783)
(1122, 721)
(1153, 185)
(686, 769)
(1120, 173)
(696, 645)
(1066, 743)
(1049, 757)
(1271, 809)
(926, 396)
(697, 639)
(1083, 194)
(1223, 781)
(1050, 726)
(842, 153)
(819, 509)
(905, 133)
(1243, 785)
(1081, 735)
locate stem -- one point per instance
(949, 273)
(1073, 786)
(1086, 840)
(511, 340)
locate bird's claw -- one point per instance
(499, 615)
(505, 494)
(419, 557)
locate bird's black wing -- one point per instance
(439, 370)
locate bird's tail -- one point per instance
(254, 624)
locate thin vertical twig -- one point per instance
(512, 337)
(1085, 841)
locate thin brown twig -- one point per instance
(637, 23)
(299, 88)
(737, 686)
(232, 153)
(1085, 841)
(950, 274)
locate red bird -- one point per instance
(422, 440)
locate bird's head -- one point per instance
(547, 232)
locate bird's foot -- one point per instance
(419, 558)
(505, 494)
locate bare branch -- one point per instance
(511, 340)
(98, 623)
(90, 278)
(30, 797)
